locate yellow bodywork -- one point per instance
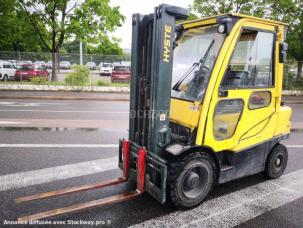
(246, 129)
(185, 113)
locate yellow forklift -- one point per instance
(205, 108)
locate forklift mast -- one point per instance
(153, 38)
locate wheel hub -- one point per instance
(192, 180)
(278, 161)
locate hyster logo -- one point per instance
(166, 54)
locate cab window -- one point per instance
(7, 65)
(251, 64)
(194, 58)
(226, 118)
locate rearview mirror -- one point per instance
(283, 47)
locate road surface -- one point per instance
(47, 145)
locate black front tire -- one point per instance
(276, 162)
(191, 178)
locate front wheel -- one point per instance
(276, 162)
(190, 179)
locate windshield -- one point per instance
(121, 68)
(27, 67)
(194, 58)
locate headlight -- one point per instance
(222, 28)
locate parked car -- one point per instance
(49, 65)
(106, 69)
(65, 65)
(24, 62)
(28, 71)
(7, 71)
(13, 61)
(115, 64)
(91, 65)
(40, 63)
(121, 73)
(18, 64)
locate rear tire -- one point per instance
(190, 179)
(276, 162)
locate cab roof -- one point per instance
(213, 20)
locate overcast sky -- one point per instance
(129, 7)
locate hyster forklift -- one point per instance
(205, 108)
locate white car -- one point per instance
(40, 63)
(91, 65)
(7, 71)
(106, 69)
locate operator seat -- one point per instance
(236, 78)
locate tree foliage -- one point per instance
(289, 11)
(204, 8)
(16, 34)
(55, 20)
(106, 46)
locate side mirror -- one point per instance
(283, 47)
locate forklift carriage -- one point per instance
(213, 87)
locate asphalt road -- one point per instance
(46, 145)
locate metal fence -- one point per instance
(18, 58)
(290, 79)
(73, 58)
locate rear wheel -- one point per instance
(190, 179)
(276, 162)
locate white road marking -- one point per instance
(294, 146)
(12, 122)
(23, 179)
(6, 103)
(237, 207)
(27, 104)
(64, 111)
(59, 145)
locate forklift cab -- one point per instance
(227, 82)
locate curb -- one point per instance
(296, 130)
(61, 88)
(113, 98)
(293, 102)
(124, 89)
(292, 93)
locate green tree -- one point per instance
(15, 31)
(289, 11)
(67, 18)
(205, 8)
(73, 46)
(106, 47)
